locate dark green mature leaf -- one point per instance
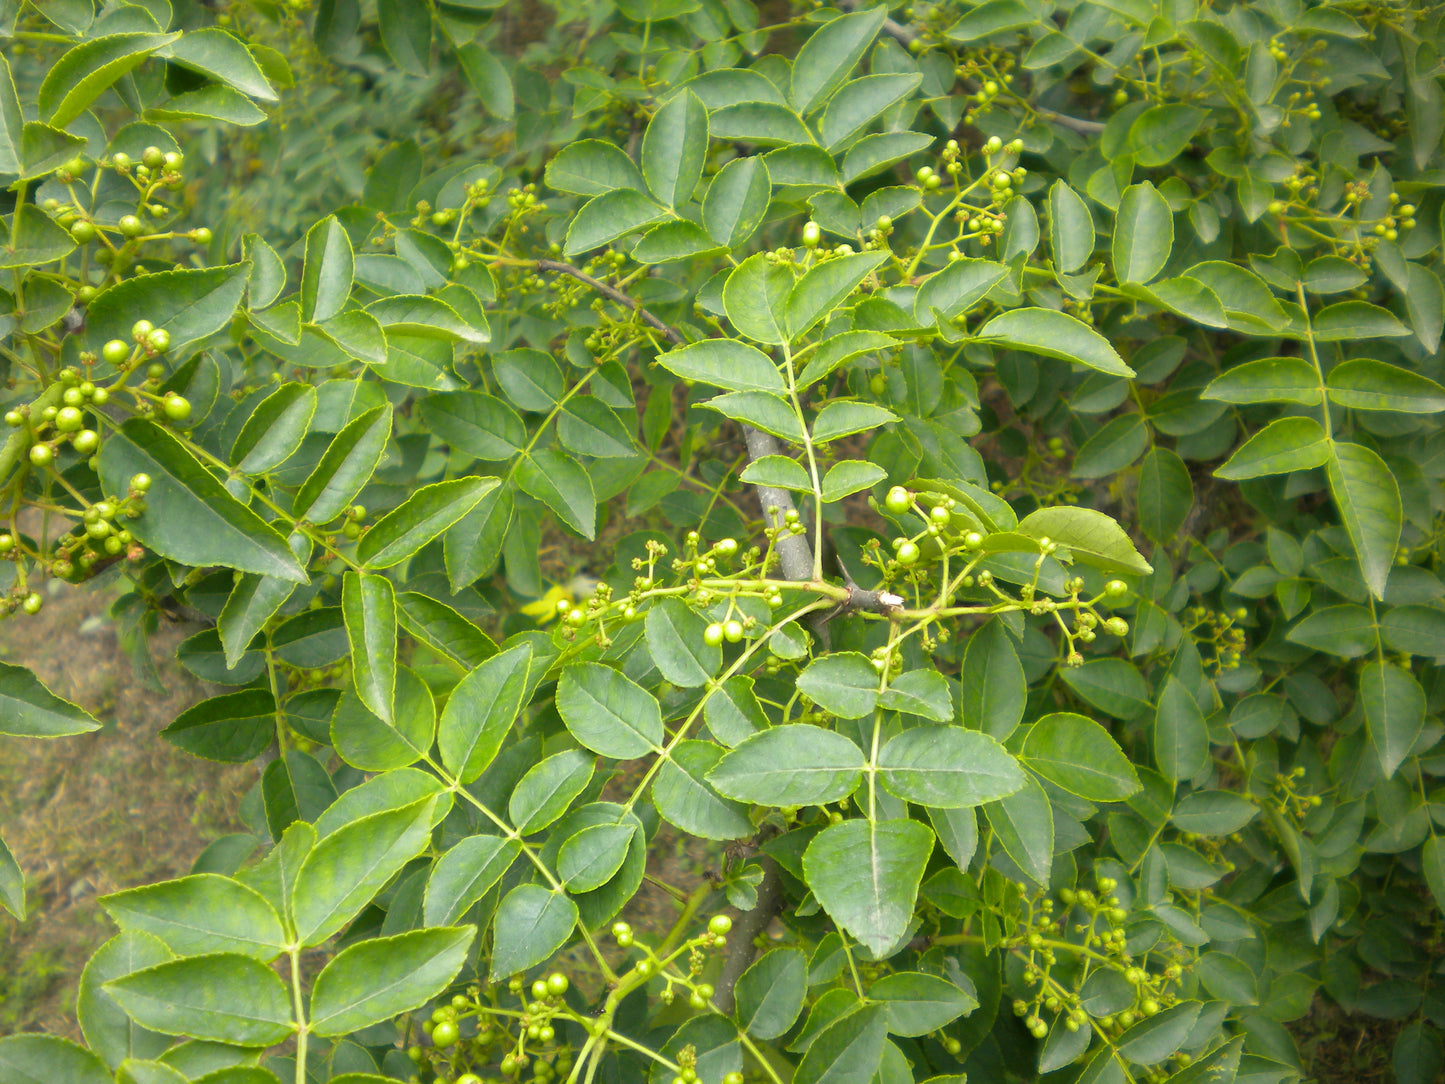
(1372, 385)
(1023, 824)
(327, 275)
(465, 874)
(1271, 380)
(919, 1003)
(12, 883)
(609, 216)
(199, 914)
(865, 874)
(1092, 537)
(1160, 134)
(532, 923)
(561, 484)
(822, 288)
(223, 997)
(192, 304)
(736, 200)
(1055, 335)
(368, 603)
(476, 424)
(1071, 228)
(29, 710)
(45, 1059)
(107, 1029)
(826, 58)
(593, 856)
(275, 429)
(956, 288)
(428, 317)
(89, 69)
(347, 868)
(770, 993)
(549, 787)
(848, 1051)
(1143, 234)
(1080, 756)
(858, 103)
(190, 516)
(724, 363)
(799, 764)
(674, 148)
(948, 767)
(419, 519)
(1368, 499)
(345, 467)
(843, 684)
(590, 167)
(755, 298)
(12, 122)
(473, 545)
(481, 710)
(378, 979)
(1165, 494)
(684, 797)
(232, 728)
(609, 713)
(214, 52)
(992, 684)
(1394, 707)
(1151, 1041)
(675, 640)
(33, 240)
(1281, 447)
(1181, 738)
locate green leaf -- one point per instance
(1228, 978)
(1152, 1040)
(232, 728)
(1347, 320)
(1363, 384)
(1281, 447)
(605, 218)
(1425, 302)
(347, 868)
(327, 274)
(1181, 737)
(919, 1003)
(755, 298)
(1143, 233)
(1394, 707)
(675, 240)
(763, 124)
(763, 410)
(1213, 812)
(1055, 335)
(86, 71)
(990, 18)
(29, 710)
(798, 764)
(368, 603)
(590, 167)
(684, 797)
(44, 148)
(609, 713)
(199, 914)
(275, 429)
(674, 147)
(419, 519)
(948, 767)
(823, 288)
(481, 710)
(345, 467)
(428, 318)
(107, 1029)
(372, 981)
(992, 687)
(843, 684)
(770, 994)
(489, 79)
(1092, 537)
(841, 418)
(12, 883)
(826, 58)
(865, 874)
(223, 997)
(47, 1059)
(532, 923)
(464, 875)
(777, 472)
(1165, 495)
(1113, 447)
(1114, 686)
(214, 52)
(1160, 134)
(857, 104)
(724, 363)
(190, 516)
(548, 788)
(1347, 631)
(675, 640)
(559, 482)
(475, 424)
(366, 741)
(1369, 503)
(919, 692)
(12, 122)
(1023, 824)
(847, 1051)
(1080, 756)
(1432, 859)
(40, 241)
(593, 856)
(849, 477)
(1071, 228)
(405, 34)
(191, 304)
(955, 289)
(210, 103)
(1271, 380)
(736, 201)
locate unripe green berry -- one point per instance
(69, 419)
(907, 554)
(33, 602)
(713, 634)
(41, 455)
(720, 924)
(160, 340)
(732, 631)
(898, 501)
(177, 408)
(82, 232)
(115, 352)
(131, 226)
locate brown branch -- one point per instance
(745, 931)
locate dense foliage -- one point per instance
(688, 422)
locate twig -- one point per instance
(1073, 124)
(744, 931)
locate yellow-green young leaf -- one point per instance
(1270, 380)
(368, 603)
(36, 1058)
(1281, 447)
(1055, 335)
(736, 200)
(609, 216)
(12, 883)
(375, 980)
(1071, 228)
(464, 875)
(1181, 738)
(1394, 707)
(1247, 300)
(201, 913)
(1092, 537)
(1364, 384)
(865, 873)
(948, 767)
(210, 103)
(1023, 824)
(531, 924)
(1368, 500)
(419, 519)
(86, 71)
(826, 58)
(190, 516)
(1081, 756)
(674, 148)
(800, 764)
(763, 410)
(591, 167)
(223, 997)
(326, 276)
(1143, 234)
